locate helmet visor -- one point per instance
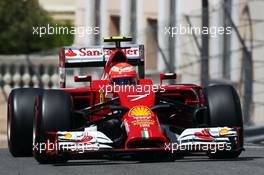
(124, 81)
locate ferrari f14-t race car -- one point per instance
(122, 113)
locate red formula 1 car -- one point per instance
(122, 114)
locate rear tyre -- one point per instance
(20, 120)
(52, 113)
(224, 109)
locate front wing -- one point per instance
(81, 144)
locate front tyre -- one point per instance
(224, 109)
(52, 113)
(20, 112)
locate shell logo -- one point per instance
(224, 131)
(140, 111)
(68, 136)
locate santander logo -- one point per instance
(70, 53)
(204, 134)
(93, 52)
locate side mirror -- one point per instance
(167, 76)
(82, 78)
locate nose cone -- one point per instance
(143, 128)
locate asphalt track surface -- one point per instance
(250, 162)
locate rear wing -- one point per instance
(97, 56)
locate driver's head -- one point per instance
(123, 74)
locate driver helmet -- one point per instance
(123, 74)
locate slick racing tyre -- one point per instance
(224, 109)
(19, 120)
(52, 113)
